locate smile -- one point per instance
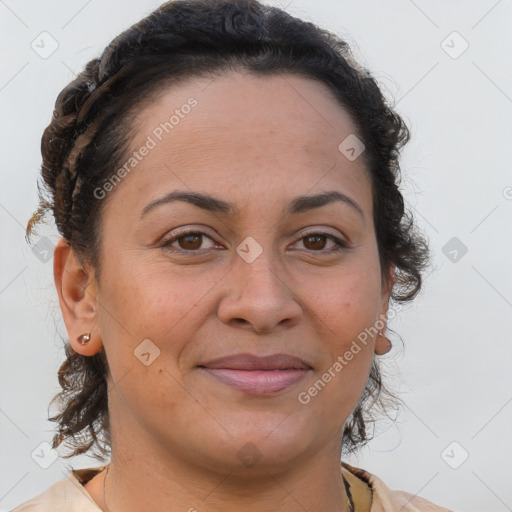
(257, 375)
(258, 382)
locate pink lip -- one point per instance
(257, 382)
(257, 375)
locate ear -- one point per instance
(78, 298)
(382, 344)
(388, 281)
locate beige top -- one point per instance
(369, 494)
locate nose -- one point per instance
(258, 296)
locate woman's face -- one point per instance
(215, 339)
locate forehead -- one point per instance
(240, 101)
(245, 131)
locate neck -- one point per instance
(316, 485)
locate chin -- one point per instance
(258, 447)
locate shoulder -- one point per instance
(68, 495)
(385, 499)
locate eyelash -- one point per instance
(341, 245)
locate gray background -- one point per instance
(454, 372)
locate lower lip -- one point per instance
(258, 382)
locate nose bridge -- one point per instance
(257, 293)
(258, 268)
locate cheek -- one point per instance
(343, 309)
(147, 302)
(144, 300)
(346, 302)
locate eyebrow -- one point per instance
(209, 203)
(305, 203)
(203, 201)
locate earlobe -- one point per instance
(382, 344)
(78, 299)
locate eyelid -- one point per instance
(189, 228)
(183, 231)
(321, 230)
(195, 228)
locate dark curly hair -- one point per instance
(92, 126)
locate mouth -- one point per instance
(257, 375)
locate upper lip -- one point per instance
(253, 362)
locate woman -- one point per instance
(224, 178)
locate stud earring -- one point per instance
(84, 339)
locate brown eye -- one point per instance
(315, 242)
(321, 243)
(190, 242)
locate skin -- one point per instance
(256, 142)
